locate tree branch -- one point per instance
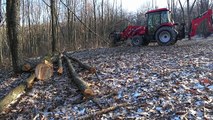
(46, 3)
(192, 6)
(83, 23)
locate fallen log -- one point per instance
(92, 70)
(14, 94)
(103, 111)
(30, 65)
(60, 66)
(81, 84)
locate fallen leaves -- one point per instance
(172, 82)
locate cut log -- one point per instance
(30, 65)
(92, 70)
(44, 70)
(60, 66)
(103, 111)
(81, 84)
(14, 94)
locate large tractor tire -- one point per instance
(139, 41)
(166, 36)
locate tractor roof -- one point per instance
(157, 10)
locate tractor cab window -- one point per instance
(154, 19)
(165, 17)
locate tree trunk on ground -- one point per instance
(13, 33)
(84, 66)
(14, 94)
(81, 84)
(103, 111)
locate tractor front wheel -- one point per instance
(137, 41)
(166, 36)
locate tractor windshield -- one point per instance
(166, 17)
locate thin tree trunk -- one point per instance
(69, 32)
(95, 21)
(189, 11)
(102, 17)
(86, 23)
(182, 9)
(54, 24)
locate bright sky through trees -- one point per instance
(134, 5)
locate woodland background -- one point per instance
(157, 82)
(81, 24)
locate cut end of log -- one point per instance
(60, 70)
(88, 92)
(43, 71)
(26, 67)
(48, 63)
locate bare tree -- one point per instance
(0, 12)
(13, 33)
(189, 11)
(204, 6)
(54, 24)
(182, 9)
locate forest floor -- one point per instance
(157, 82)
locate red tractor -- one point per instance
(159, 28)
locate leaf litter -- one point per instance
(159, 82)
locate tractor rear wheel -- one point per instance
(166, 36)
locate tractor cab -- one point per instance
(158, 18)
(160, 27)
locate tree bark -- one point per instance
(13, 33)
(14, 94)
(95, 21)
(60, 66)
(204, 6)
(182, 9)
(189, 11)
(54, 24)
(81, 84)
(84, 66)
(1, 18)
